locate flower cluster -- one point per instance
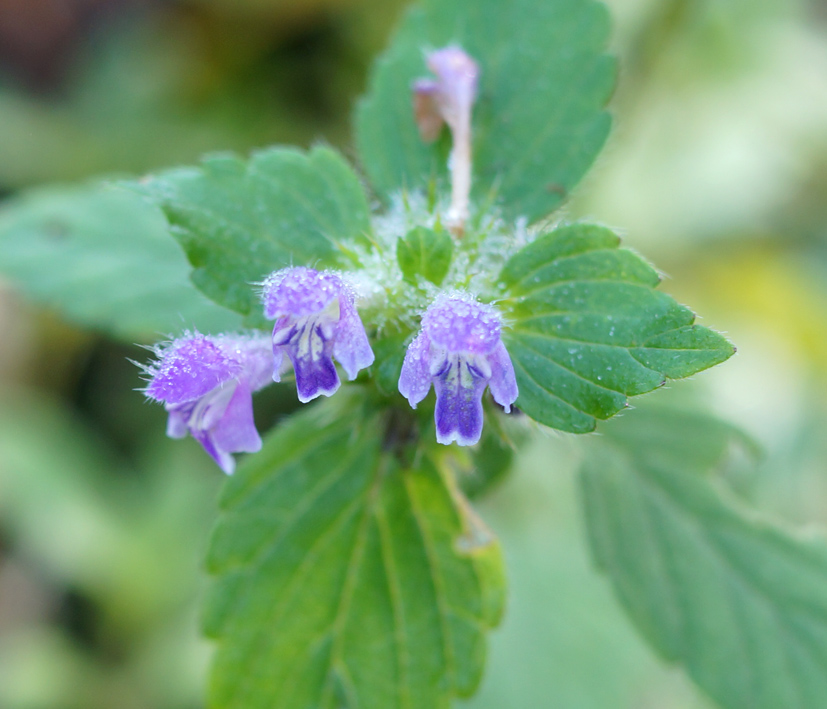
(206, 382)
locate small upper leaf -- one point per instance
(740, 602)
(104, 258)
(239, 221)
(344, 580)
(588, 329)
(425, 252)
(539, 121)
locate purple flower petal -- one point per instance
(236, 430)
(225, 461)
(503, 383)
(415, 378)
(177, 423)
(458, 75)
(310, 353)
(458, 413)
(298, 292)
(278, 362)
(351, 347)
(316, 320)
(461, 324)
(189, 368)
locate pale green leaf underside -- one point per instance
(588, 329)
(339, 577)
(539, 121)
(240, 220)
(741, 603)
(104, 258)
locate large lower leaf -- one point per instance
(740, 602)
(540, 119)
(239, 220)
(343, 579)
(104, 258)
(588, 329)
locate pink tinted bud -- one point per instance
(449, 99)
(457, 76)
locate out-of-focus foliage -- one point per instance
(739, 601)
(59, 247)
(540, 119)
(96, 86)
(96, 602)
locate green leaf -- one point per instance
(740, 602)
(240, 220)
(539, 121)
(345, 580)
(104, 258)
(425, 252)
(390, 353)
(588, 329)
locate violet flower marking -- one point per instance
(459, 351)
(316, 320)
(449, 99)
(207, 384)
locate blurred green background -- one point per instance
(716, 171)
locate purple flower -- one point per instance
(449, 99)
(458, 350)
(316, 320)
(206, 384)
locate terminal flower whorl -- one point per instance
(206, 384)
(459, 351)
(316, 320)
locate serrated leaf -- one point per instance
(740, 602)
(240, 220)
(343, 580)
(425, 252)
(539, 121)
(104, 258)
(588, 329)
